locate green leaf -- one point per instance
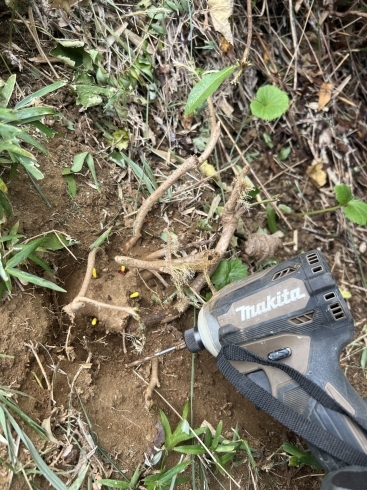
(141, 174)
(23, 254)
(32, 141)
(284, 208)
(364, 358)
(284, 153)
(206, 87)
(343, 194)
(78, 161)
(167, 476)
(38, 281)
(30, 165)
(114, 483)
(227, 272)
(40, 93)
(272, 219)
(190, 449)
(7, 90)
(17, 150)
(101, 238)
(90, 163)
(270, 103)
(71, 182)
(217, 436)
(356, 211)
(3, 275)
(57, 241)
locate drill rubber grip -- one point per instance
(319, 439)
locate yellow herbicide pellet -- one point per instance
(94, 321)
(134, 295)
(123, 270)
(94, 273)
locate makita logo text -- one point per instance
(271, 303)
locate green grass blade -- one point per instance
(30, 166)
(7, 90)
(101, 238)
(42, 466)
(24, 253)
(38, 281)
(17, 150)
(32, 141)
(79, 481)
(42, 263)
(139, 173)
(90, 163)
(40, 93)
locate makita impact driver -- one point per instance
(277, 337)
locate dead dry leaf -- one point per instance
(316, 173)
(325, 92)
(220, 12)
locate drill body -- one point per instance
(292, 314)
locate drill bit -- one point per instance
(157, 354)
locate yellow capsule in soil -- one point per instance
(123, 269)
(345, 293)
(134, 295)
(94, 321)
(94, 273)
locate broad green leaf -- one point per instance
(57, 241)
(72, 53)
(4, 276)
(101, 238)
(30, 114)
(38, 281)
(272, 219)
(356, 211)
(227, 272)
(7, 90)
(23, 254)
(49, 132)
(190, 449)
(90, 163)
(78, 161)
(114, 483)
(343, 194)
(30, 165)
(32, 141)
(167, 476)
(40, 93)
(5, 146)
(71, 182)
(284, 153)
(270, 103)
(284, 208)
(206, 87)
(37, 260)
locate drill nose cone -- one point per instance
(193, 340)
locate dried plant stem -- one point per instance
(154, 381)
(189, 164)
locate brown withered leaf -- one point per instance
(220, 12)
(316, 173)
(325, 92)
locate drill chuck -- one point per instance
(193, 340)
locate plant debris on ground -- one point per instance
(151, 153)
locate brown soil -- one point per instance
(93, 364)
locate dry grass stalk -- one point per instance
(153, 383)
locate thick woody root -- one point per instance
(154, 381)
(189, 164)
(112, 314)
(232, 211)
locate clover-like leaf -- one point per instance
(343, 194)
(356, 211)
(270, 103)
(227, 272)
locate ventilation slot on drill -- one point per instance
(329, 296)
(283, 272)
(337, 311)
(303, 319)
(317, 269)
(312, 258)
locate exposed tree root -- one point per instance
(189, 164)
(81, 300)
(154, 381)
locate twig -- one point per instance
(154, 381)
(31, 346)
(189, 164)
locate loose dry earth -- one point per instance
(86, 363)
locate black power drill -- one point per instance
(277, 337)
